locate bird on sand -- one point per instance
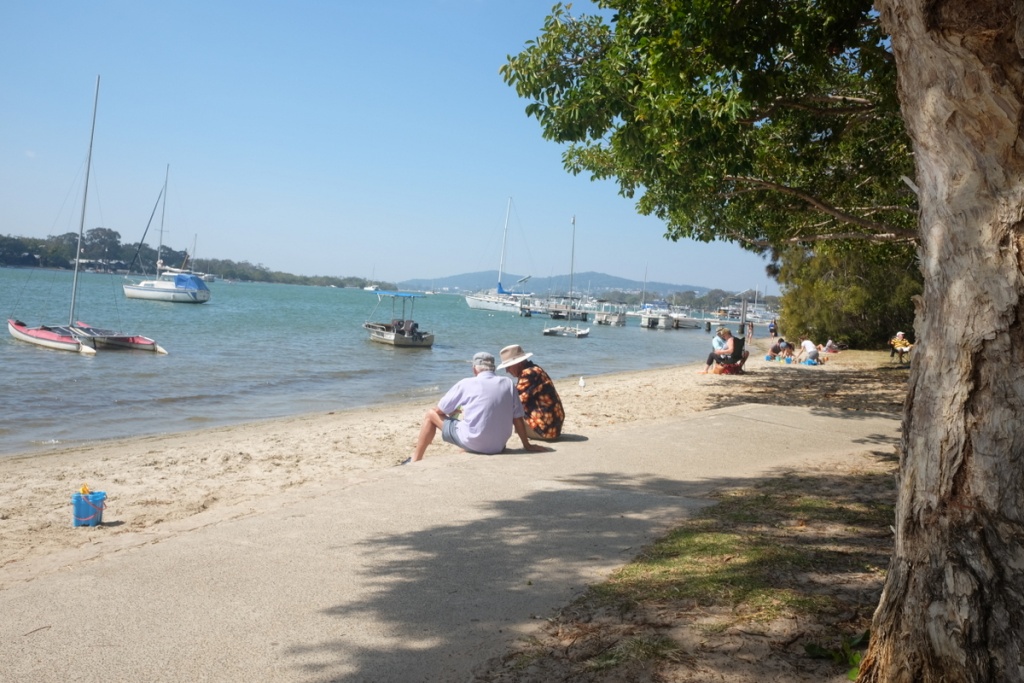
(582, 383)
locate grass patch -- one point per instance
(752, 551)
(795, 560)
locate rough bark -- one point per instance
(953, 604)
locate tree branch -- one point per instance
(876, 228)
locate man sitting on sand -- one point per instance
(544, 414)
(490, 409)
(723, 351)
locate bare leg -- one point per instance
(432, 421)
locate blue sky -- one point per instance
(318, 137)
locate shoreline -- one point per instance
(169, 484)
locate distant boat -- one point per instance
(611, 314)
(401, 331)
(498, 299)
(177, 285)
(77, 336)
(172, 284)
(657, 319)
(566, 330)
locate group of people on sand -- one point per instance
(809, 352)
(480, 413)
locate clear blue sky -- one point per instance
(317, 137)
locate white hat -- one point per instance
(510, 355)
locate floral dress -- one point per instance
(544, 412)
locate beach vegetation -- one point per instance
(855, 301)
(103, 249)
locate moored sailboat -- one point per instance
(177, 285)
(77, 336)
(572, 313)
(499, 299)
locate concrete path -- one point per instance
(414, 573)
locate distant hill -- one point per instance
(594, 283)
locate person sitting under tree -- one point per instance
(900, 345)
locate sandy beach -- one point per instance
(370, 569)
(156, 484)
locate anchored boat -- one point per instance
(401, 331)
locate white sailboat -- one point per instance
(499, 299)
(568, 330)
(77, 336)
(177, 285)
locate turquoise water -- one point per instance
(259, 351)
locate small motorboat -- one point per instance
(566, 331)
(401, 331)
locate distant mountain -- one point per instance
(594, 283)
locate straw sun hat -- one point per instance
(510, 355)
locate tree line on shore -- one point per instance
(103, 250)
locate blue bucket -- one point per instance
(89, 508)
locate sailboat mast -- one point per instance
(572, 259)
(504, 241)
(163, 213)
(85, 196)
(643, 294)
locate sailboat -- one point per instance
(77, 336)
(177, 285)
(567, 330)
(499, 299)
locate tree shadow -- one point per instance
(834, 393)
(738, 591)
(453, 595)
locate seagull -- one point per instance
(582, 383)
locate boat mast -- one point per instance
(572, 260)
(163, 213)
(643, 294)
(85, 196)
(504, 241)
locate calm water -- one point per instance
(261, 351)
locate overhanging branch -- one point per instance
(887, 232)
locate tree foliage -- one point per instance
(773, 125)
(858, 301)
(759, 122)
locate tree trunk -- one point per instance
(953, 604)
